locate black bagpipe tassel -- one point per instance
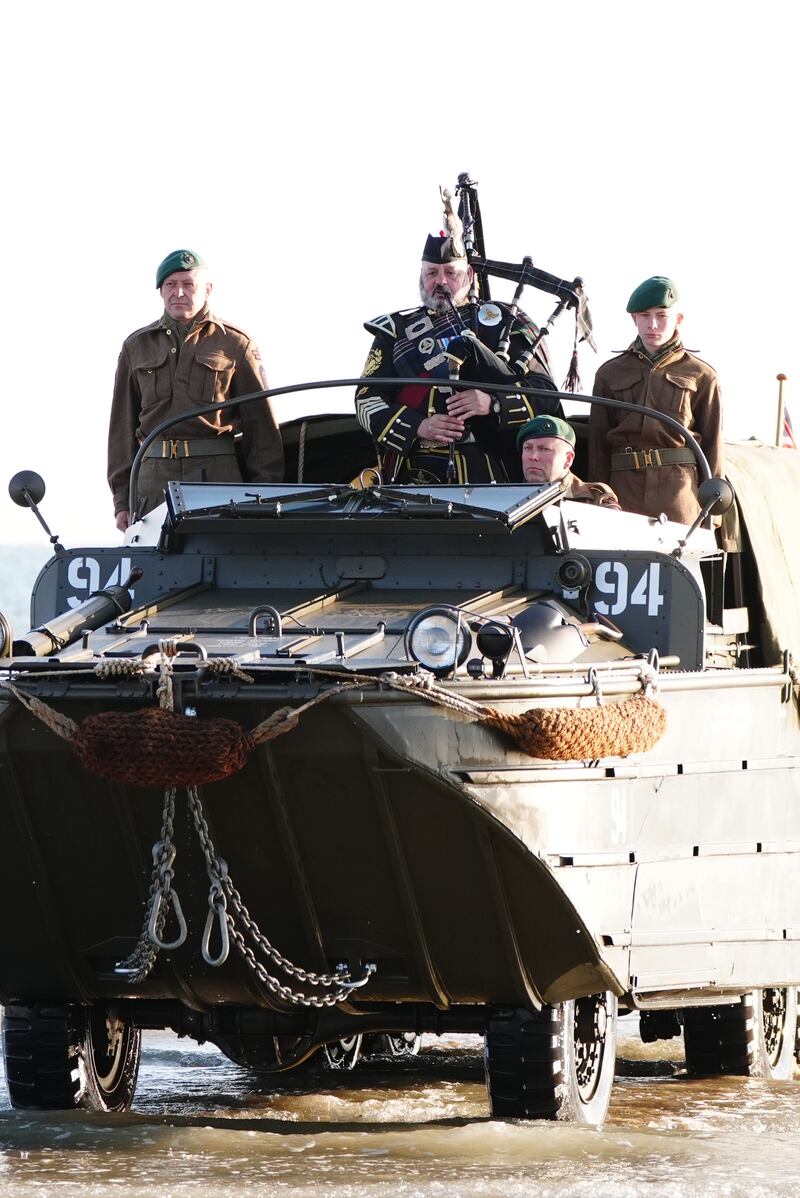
(573, 380)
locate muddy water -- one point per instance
(416, 1127)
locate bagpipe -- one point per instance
(467, 225)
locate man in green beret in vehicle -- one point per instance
(188, 361)
(647, 463)
(547, 445)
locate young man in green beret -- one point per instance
(188, 361)
(547, 445)
(647, 463)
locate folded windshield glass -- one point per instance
(511, 504)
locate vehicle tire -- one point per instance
(59, 1057)
(402, 1044)
(109, 1061)
(752, 1038)
(342, 1054)
(267, 1053)
(557, 1063)
(391, 1044)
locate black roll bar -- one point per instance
(458, 385)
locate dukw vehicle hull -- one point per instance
(425, 758)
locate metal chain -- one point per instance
(141, 961)
(138, 965)
(285, 992)
(223, 894)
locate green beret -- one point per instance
(655, 292)
(178, 260)
(546, 426)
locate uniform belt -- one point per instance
(641, 459)
(191, 447)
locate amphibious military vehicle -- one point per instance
(307, 762)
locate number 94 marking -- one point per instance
(614, 580)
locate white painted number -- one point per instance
(612, 579)
(83, 574)
(646, 590)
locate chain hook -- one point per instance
(217, 910)
(169, 896)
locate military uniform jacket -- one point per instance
(157, 378)
(684, 387)
(414, 343)
(599, 493)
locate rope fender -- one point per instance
(158, 747)
(584, 733)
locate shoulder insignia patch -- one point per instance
(373, 362)
(385, 324)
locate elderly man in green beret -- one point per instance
(547, 445)
(647, 463)
(188, 361)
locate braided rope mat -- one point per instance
(584, 733)
(157, 747)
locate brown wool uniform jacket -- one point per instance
(157, 378)
(683, 387)
(599, 493)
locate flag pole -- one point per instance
(781, 408)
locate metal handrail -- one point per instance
(458, 385)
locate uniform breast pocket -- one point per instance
(625, 384)
(211, 376)
(681, 393)
(153, 378)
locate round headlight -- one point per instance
(495, 640)
(6, 636)
(438, 639)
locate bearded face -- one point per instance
(438, 280)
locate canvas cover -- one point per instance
(766, 480)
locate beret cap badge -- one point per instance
(656, 292)
(178, 260)
(546, 426)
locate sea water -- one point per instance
(19, 566)
(415, 1128)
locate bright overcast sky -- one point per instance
(300, 148)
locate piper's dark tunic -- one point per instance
(414, 343)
